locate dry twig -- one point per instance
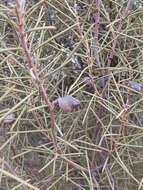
(30, 65)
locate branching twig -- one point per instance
(96, 32)
(31, 67)
(12, 171)
(123, 16)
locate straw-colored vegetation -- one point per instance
(71, 94)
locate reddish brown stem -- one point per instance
(123, 16)
(31, 67)
(96, 33)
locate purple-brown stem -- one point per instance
(123, 16)
(96, 31)
(31, 67)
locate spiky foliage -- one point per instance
(92, 51)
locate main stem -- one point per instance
(32, 69)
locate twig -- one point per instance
(123, 16)
(96, 31)
(31, 67)
(12, 170)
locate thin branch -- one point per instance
(123, 16)
(31, 67)
(96, 31)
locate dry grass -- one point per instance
(100, 145)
